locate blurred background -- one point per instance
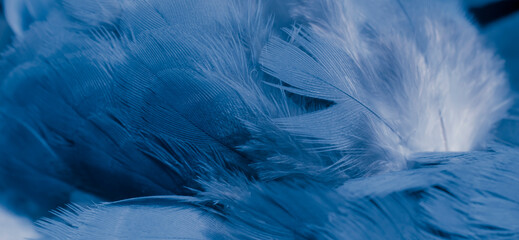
(498, 21)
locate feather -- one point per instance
(256, 120)
(456, 195)
(20, 14)
(416, 95)
(132, 219)
(144, 114)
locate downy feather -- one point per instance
(256, 120)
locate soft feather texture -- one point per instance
(257, 120)
(158, 218)
(457, 195)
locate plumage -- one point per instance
(256, 120)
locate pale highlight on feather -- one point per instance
(427, 86)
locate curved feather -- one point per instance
(136, 219)
(159, 108)
(429, 89)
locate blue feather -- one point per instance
(233, 119)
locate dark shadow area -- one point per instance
(492, 12)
